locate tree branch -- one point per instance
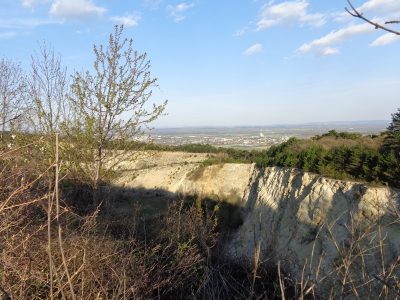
(10, 120)
(5, 295)
(355, 13)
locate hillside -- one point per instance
(297, 218)
(212, 224)
(338, 155)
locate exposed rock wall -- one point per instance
(321, 230)
(185, 173)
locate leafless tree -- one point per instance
(385, 26)
(48, 90)
(112, 104)
(12, 94)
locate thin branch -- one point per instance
(10, 120)
(60, 240)
(281, 283)
(387, 284)
(5, 295)
(49, 210)
(355, 13)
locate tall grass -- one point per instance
(50, 250)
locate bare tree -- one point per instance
(111, 105)
(12, 94)
(48, 90)
(355, 13)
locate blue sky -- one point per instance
(236, 62)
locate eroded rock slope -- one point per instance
(321, 230)
(333, 233)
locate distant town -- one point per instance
(256, 137)
(235, 141)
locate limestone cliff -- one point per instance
(321, 230)
(184, 173)
(332, 233)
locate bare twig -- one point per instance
(5, 296)
(257, 252)
(386, 284)
(21, 189)
(355, 13)
(49, 210)
(281, 283)
(60, 241)
(13, 118)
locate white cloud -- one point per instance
(129, 20)
(385, 39)
(336, 37)
(7, 34)
(85, 31)
(25, 23)
(377, 10)
(328, 51)
(75, 9)
(177, 12)
(382, 6)
(256, 48)
(289, 12)
(385, 9)
(240, 32)
(342, 17)
(32, 3)
(152, 4)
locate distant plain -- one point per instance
(258, 137)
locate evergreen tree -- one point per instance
(392, 141)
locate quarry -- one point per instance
(313, 226)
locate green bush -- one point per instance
(353, 160)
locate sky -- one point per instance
(230, 62)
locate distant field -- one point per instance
(257, 138)
(340, 155)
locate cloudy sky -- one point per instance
(231, 62)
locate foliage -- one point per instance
(110, 105)
(114, 253)
(343, 135)
(357, 163)
(350, 156)
(392, 140)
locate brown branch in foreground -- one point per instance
(4, 294)
(60, 239)
(355, 13)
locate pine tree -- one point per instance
(392, 140)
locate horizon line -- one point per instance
(273, 125)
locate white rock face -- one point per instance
(332, 233)
(321, 230)
(184, 173)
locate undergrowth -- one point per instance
(56, 245)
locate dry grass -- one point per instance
(49, 251)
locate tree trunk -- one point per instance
(3, 121)
(99, 162)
